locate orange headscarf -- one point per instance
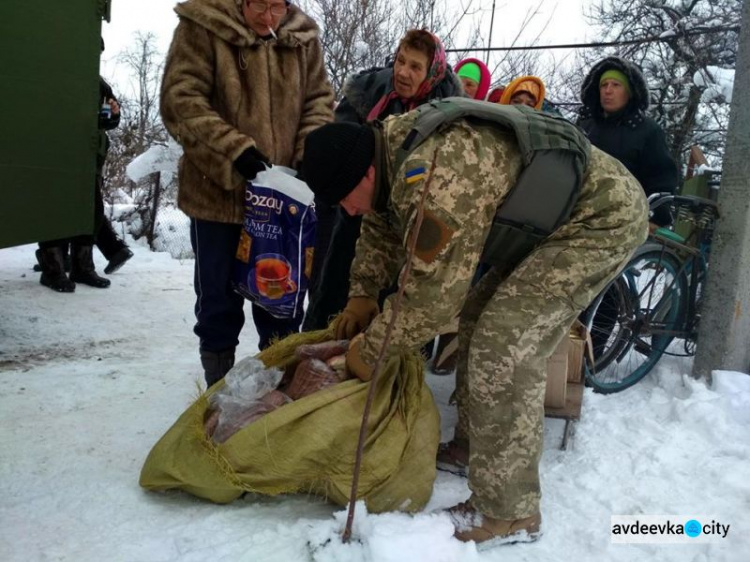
(530, 84)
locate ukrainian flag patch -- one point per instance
(415, 175)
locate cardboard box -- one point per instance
(557, 376)
(578, 343)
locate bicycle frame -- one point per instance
(692, 256)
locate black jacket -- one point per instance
(106, 122)
(631, 136)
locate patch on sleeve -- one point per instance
(434, 236)
(415, 174)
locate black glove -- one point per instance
(250, 163)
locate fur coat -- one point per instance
(225, 89)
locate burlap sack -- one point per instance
(308, 446)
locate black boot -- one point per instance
(83, 270)
(66, 260)
(216, 364)
(118, 260)
(53, 272)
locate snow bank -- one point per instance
(158, 158)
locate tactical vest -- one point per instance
(554, 155)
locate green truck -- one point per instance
(49, 99)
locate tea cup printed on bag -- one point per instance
(272, 272)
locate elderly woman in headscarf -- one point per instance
(419, 73)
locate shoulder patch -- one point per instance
(415, 174)
(434, 236)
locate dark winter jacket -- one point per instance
(362, 91)
(631, 136)
(225, 89)
(106, 122)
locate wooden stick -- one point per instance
(378, 363)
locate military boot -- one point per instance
(83, 270)
(53, 270)
(488, 532)
(216, 364)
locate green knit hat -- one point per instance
(471, 71)
(615, 75)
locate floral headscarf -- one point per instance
(435, 74)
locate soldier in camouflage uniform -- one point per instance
(510, 322)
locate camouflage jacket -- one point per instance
(474, 168)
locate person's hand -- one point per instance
(250, 163)
(114, 106)
(354, 363)
(355, 318)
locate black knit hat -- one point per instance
(337, 157)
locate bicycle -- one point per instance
(654, 301)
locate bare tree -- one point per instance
(140, 128)
(145, 64)
(140, 124)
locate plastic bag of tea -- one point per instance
(274, 255)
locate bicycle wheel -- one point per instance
(635, 319)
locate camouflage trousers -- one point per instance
(509, 326)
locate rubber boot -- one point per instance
(53, 270)
(83, 270)
(216, 364)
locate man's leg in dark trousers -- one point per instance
(326, 215)
(105, 237)
(332, 291)
(218, 309)
(271, 328)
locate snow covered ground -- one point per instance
(90, 381)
